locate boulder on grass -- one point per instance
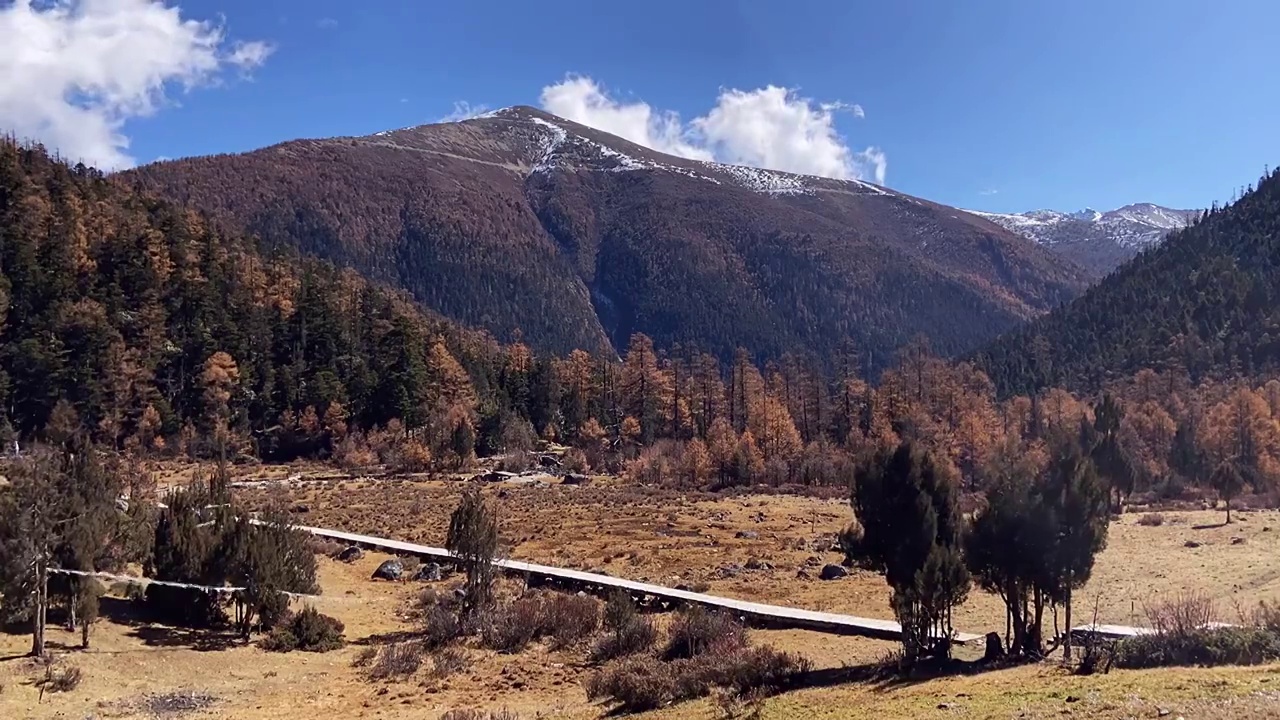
(391, 569)
(833, 572)
(429, 572)
(351, 553)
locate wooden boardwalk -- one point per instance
(756, 614)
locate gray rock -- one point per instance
(803, 574)
(747, 535)
(430, 572)
(1237, 541)
(391, 569)
(576, 479)
(833, 572)
(730, 571)
(350, 554)
(758, 564)
(1191, 544)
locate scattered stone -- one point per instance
(944, 706)
(1237, 541)
(803, 574)
(300, 508)
(389, 570)
(833, 572)
(430, 572)
(1191, 544)
(176, 703)
(684, 588)
(758, 564)
(1164, 712)
(1072, 699)
(747, 535)
(350, 553)
(550, 461)
(729, 571)
(813, 561)
(1266, 528)
(576, 479)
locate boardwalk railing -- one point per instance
(757, 614)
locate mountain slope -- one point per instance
(1099, 242)
(1207, 300)
(151, 323)
(520, 221)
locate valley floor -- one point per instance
(138, 670)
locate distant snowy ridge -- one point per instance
(1133, 227)
(1096, 241)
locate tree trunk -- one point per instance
(42, 590)
(1066, 644)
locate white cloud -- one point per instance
(72, 72)
(581, 100)
(326, 23)
(770, 127)
(249, 55)
(463, 110)
(989, 191)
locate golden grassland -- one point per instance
(671, 538)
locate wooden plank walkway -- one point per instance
(758, 614)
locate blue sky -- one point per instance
(990, 104)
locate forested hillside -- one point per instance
(154, 327)
(534, 227)
(1207, 301)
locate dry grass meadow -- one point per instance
(138, 670)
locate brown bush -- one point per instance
(397, 660)
(440, 626)
(645, 683)
(468, 714)
(365, 657)
(575, 461)
(697, 630)
(637, 684)
(1151, 520)
(412, 456)
(63, 679)
(568, 619)
(510, 627)
(1183, 615)
(307, 630)
(447, 661)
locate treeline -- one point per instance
(156, 333)
(1206, 302)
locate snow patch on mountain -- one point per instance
(1132, 227)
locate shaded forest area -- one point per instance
(1205, 303)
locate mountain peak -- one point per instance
(1097, 241)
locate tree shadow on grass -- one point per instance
(1209, 526)
(387, 637)
(884, 677)
(196, 639)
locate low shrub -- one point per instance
(447, 661)
(365, 657)
(1205, 647)
(397, 660)
(1185, 614)
(568, 619)
(575, 461)
(636, 635)
(1151, 520)
(696, 630)
(644, 683)
(308, 630)
(636, 684)
(468, 714)
(63, 679)
(440, 626)
(511, 627)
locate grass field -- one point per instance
(141, 670)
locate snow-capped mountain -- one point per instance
(1097, 241)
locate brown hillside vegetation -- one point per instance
(522, 221)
